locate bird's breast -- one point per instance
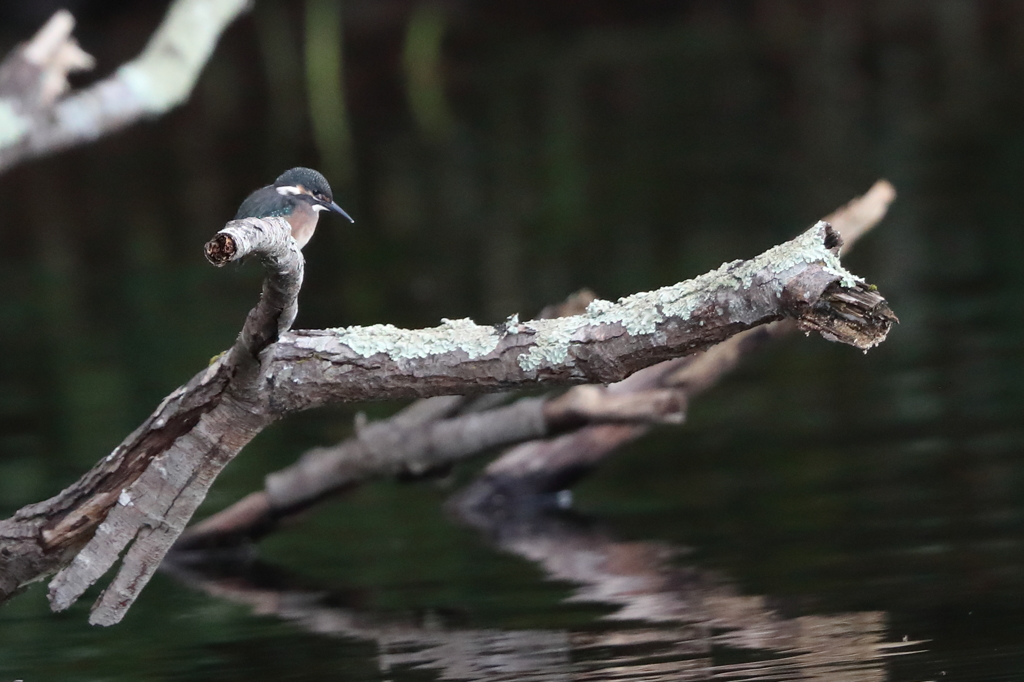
(303, 221)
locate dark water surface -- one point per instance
(822, 515)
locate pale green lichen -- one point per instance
(407, 344)
(642, 313)
(551, 343)
(638, 314)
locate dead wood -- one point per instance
(144, 493)
(605, 344)
(604, 418)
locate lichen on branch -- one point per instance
(603, 344)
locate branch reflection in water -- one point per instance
(673, 621)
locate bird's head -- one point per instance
(307, 184)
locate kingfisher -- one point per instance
(298, 195)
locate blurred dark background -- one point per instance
(497, 157)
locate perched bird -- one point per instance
(298, 195)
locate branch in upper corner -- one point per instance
(35, 120)
(35, 74)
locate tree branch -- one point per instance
(35, 121)
(269, 241)
(148, 488)
(428, 435)
(796, 279)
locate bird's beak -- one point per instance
(338, 209)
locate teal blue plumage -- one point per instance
(298, 195)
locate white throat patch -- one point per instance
(319, 207)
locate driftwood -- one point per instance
(144, 493)
(38, 118)
(436, 432)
